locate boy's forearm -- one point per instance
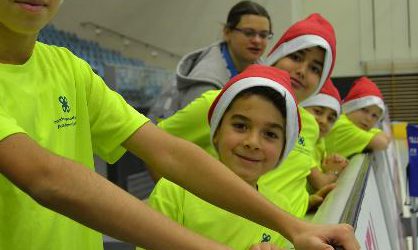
(73, 190)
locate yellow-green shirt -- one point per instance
(346, 139)
(191, 123)
(57, 100)
(319, 153)
(213, 222)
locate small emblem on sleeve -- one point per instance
(301, 140)
(265, 237)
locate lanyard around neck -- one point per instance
(229, 63)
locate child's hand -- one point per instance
(322, 236)
(334, 163)
(316, 199)
(265, 246)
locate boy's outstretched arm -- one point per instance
(189, 166)
(379, 142)
(73, 190)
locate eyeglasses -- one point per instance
(250, 33)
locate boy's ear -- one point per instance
(215, 139)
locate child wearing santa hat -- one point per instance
(326, 108)
(254, 124)
(355, 130)
(307, 51)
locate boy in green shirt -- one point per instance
(254, 123)
(325, 107)
(355, 130)
(55, 112)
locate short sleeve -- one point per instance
(112, 120)
(168, 198)
(191, 122)
(8, 125)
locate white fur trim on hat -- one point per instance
(362, 102)
(322, 100)
(292, 125)
(303, 42)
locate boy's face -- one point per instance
(325, 117)
(251, 137)
(26, 16)
(305, 69)
(365, 118)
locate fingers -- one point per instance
(345, 237)
(265, 246)
(314, 202)
(323, 192)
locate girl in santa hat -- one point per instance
(355, 130)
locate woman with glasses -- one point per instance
(245, 36)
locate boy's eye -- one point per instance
(239, 126)
(317, 70)
(318, 111)
(332, 119)
(295, 57)
(271, 135)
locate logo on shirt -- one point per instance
(66, 120)
(64, 104)
(301, 140)
(265, 237)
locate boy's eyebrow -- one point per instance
(270, 124)
(276, 125)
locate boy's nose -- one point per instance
(252, 141)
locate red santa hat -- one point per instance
(363, 93)
(328, 97)
(259, 76)
(315, 30)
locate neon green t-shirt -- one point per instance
(57, 100)
(213, 222)
(346, 139)
(290, 179)
(191, 123)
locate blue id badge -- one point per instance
(412, 135)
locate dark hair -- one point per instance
(245, 8)
(266, 92)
